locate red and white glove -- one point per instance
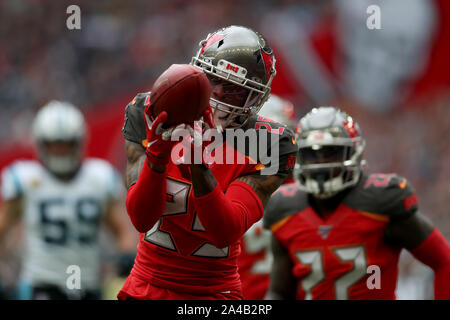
(196, 143)
(159, 140)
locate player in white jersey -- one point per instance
(62, 200)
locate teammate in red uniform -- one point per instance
(338, 233)
(255, 260)
(192, 216)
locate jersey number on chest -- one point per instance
(58, 228)
(177, 204)
(314, 259)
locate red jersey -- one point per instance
(334, 257)
(255, 260)
(177, 252)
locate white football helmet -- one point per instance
(57, 122)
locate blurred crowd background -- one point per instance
(394, 81)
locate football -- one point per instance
(183, 91)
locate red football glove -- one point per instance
(196, 144)
(159, 143)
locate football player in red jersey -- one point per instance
(255, 260)
(338, 233)
(192, 216)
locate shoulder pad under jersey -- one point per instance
(385, 194)
(18, 177)
(286, 201)
(279, 140)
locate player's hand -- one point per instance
(197, 142)
(159, 140)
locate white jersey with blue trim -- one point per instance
(61, 219)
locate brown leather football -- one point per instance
(183, 91)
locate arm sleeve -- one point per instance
(146, 200)
(434, 251)
(226, 216)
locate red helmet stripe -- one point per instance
(211, 40)
(351, 129)
(268, 62)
